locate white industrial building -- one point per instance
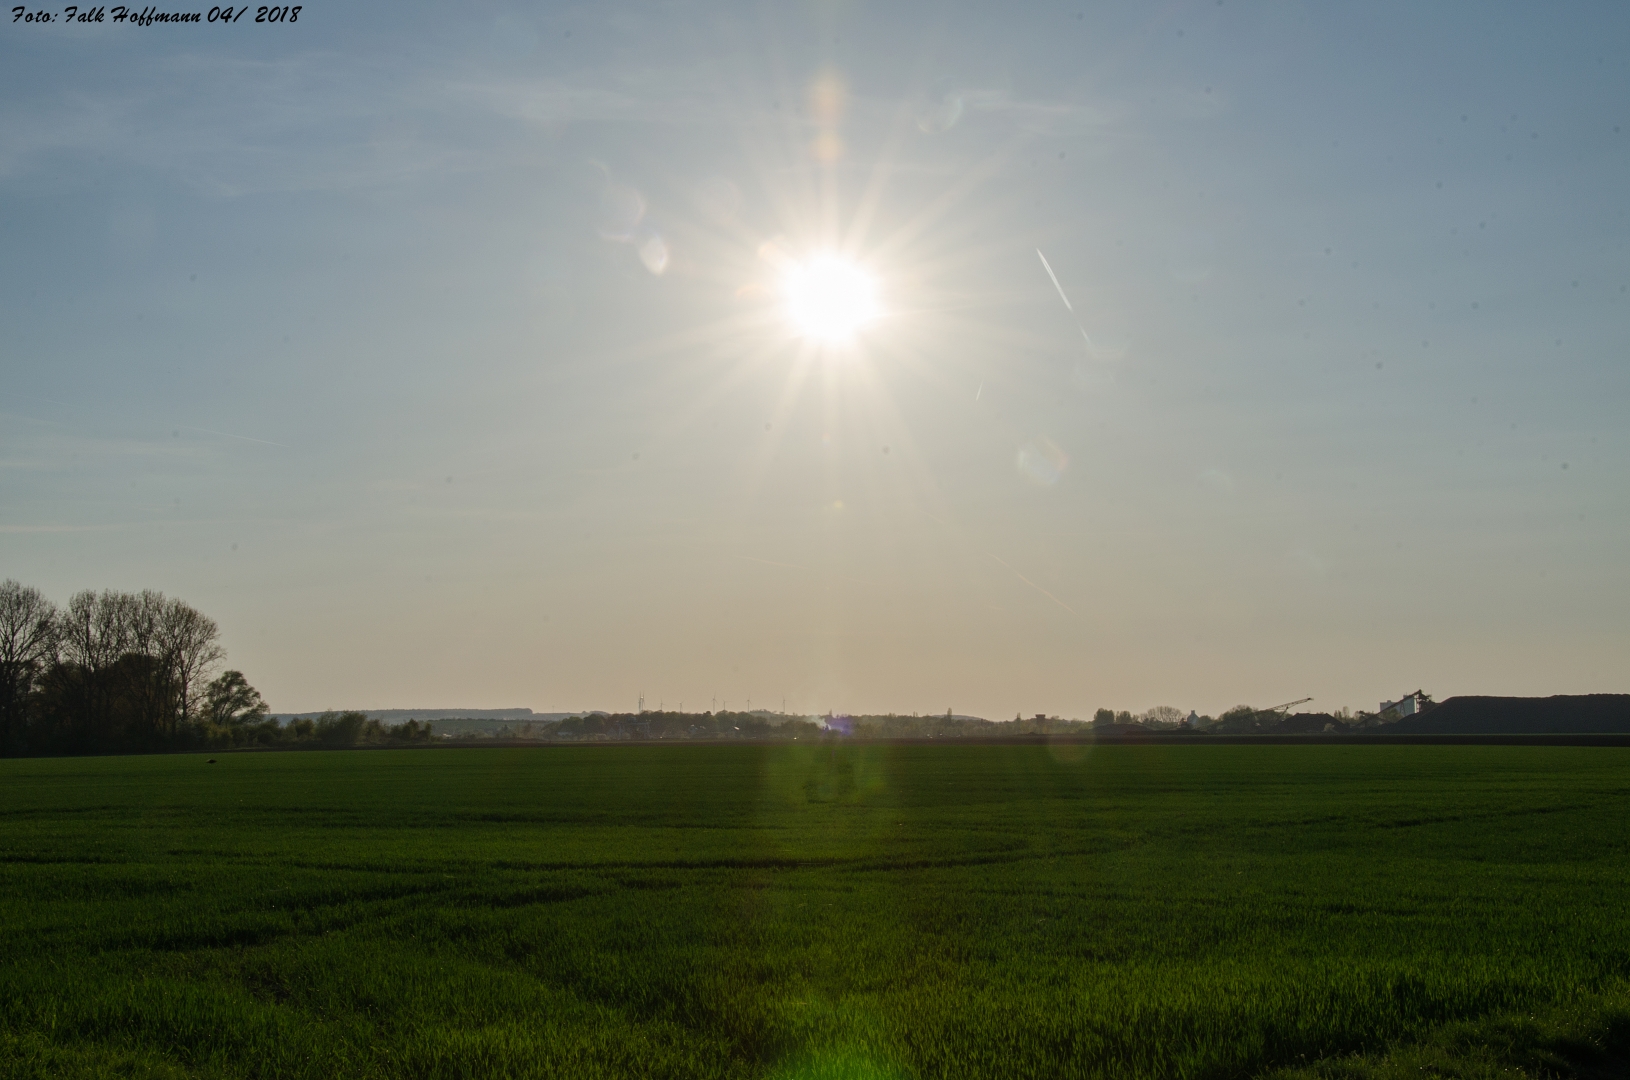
(1408, 705)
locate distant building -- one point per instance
(1408, 705)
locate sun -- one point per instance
(829, 298)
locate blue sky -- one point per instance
(439, 352)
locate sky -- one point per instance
(1222, 351)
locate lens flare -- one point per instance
(1043, 461)
(829, 298)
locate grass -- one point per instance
(789, 912)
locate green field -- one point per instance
(816, 911)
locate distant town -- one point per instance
(1411, 714)
(115, 672)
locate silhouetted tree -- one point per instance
(146, 683)
(344, 729)
(93, 635)
(191, 650)
(231, 701)
(1164, 716)
(28, 648)
(123, 671)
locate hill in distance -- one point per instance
(1563, 714)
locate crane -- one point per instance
(1287, 705)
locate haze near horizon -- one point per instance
(1002, 360)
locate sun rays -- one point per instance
(850, 310)
(829, 298)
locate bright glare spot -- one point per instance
(654, 254)
(829, 298)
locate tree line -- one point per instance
(120, 672)
(661, 724)
(110, 671)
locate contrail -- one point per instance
(1067, 305)
(245, 438)
(1048, 267)
(977, 393)
(1038, 588)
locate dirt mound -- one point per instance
(1117, 730)
(1311, 723)
(1579, 714)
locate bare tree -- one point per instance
(95, 629)
(1163, 716)
(178, 641)
(119, 669)
(190, 652)
(94, 633)
(150, 685)
(28, 645)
